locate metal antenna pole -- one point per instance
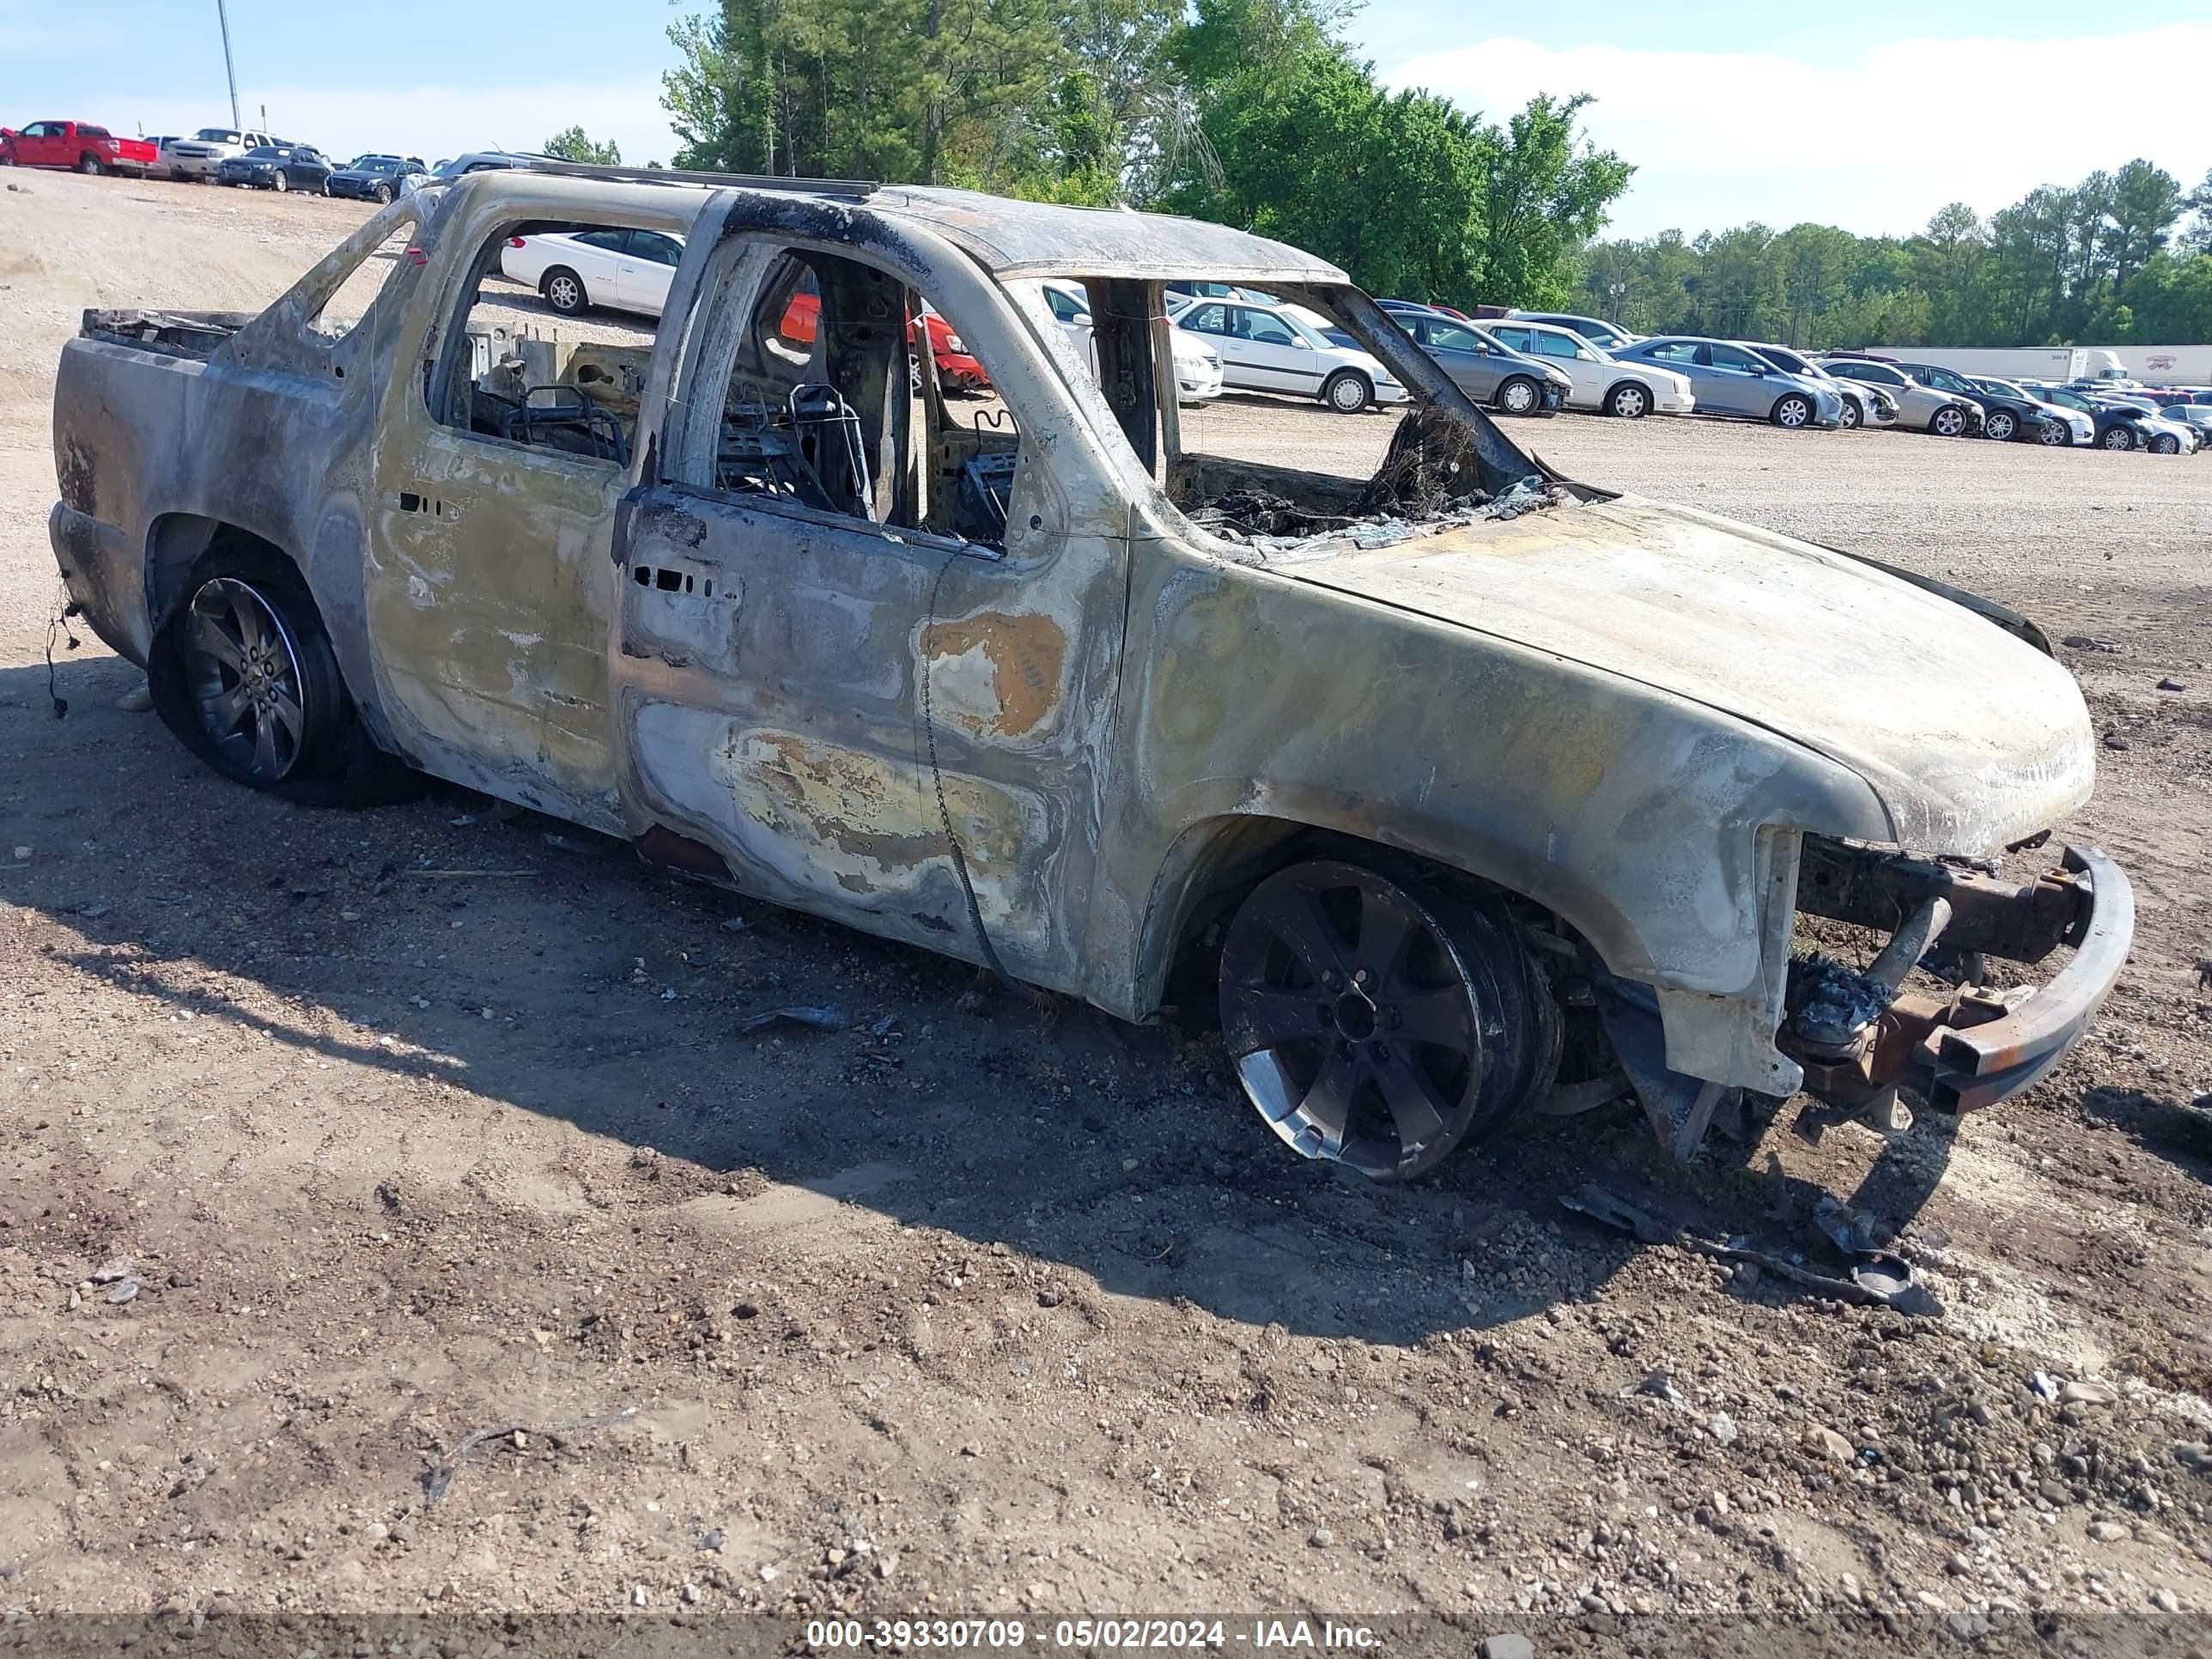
(222, 16)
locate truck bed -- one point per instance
(195, 334)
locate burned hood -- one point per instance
(1969, 737)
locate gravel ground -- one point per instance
(465, 1187)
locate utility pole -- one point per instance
(222, 16)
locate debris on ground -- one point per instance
(440, 1478)
(824, 1016)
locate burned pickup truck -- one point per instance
(1465, 789)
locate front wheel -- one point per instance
(2000, 426)
(1852, 416)
(2053, 434)
(2117, 438)
(2166, 444)
(1792, 410)
(564, 291)
(1629, 401)
(383, 194)
(278, 183)
(1347, 391)
(1950, 421)
(1377, 1023)
(1520, 396)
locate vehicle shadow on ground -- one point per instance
(435, 940)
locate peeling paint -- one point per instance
(997, 674)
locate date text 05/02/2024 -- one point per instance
(902, 1634)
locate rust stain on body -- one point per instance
(1024, 656)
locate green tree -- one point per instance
(2146, 202)
(572, 145)
(1545, 195)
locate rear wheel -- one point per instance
(1378, 1023)
(1347, 391)
(2118, 437)
(243, 673)
(2002, 425)
(1792, 409)
(1630, 401)
(1520, 396)
(1950, 421)
(564, 291)
(88, 163)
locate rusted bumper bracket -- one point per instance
(1981, 1045)
(1978, 1065)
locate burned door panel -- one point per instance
(770, 668)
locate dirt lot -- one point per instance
(411, 1125)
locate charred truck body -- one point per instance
(1464, 788)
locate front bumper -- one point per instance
(195, 167)
(1980, 1045)
(1198, 383)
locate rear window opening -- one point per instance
(551, 355)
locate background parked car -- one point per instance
(1733, 379)
(76, 145)
(2058, 426)
(2198, 415)
(576, 269)
(1485, 368)
(2004, 418)
(2115, 426)
(1197, 365)
(2168, 436)
(1599, 332)
(199, 156)
(279, 167)
(378, 178)
(1922, 408)
(1596, 379)
(1863, 406)
(1271, 349)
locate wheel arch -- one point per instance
(1216, 860)
(1640, 384)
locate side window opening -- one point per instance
(832, 397)
(553, 340)
(354, 300)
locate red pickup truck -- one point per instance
(75, 145)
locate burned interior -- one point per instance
(833, 398)
(1443, 464)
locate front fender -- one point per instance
(1632, 813)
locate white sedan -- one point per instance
(1198, 369)
(1277, 348)
(576, 269)
(1601, 381)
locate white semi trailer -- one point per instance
(2182, 365)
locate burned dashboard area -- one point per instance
(1234, 466)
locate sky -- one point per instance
(1869, 114)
